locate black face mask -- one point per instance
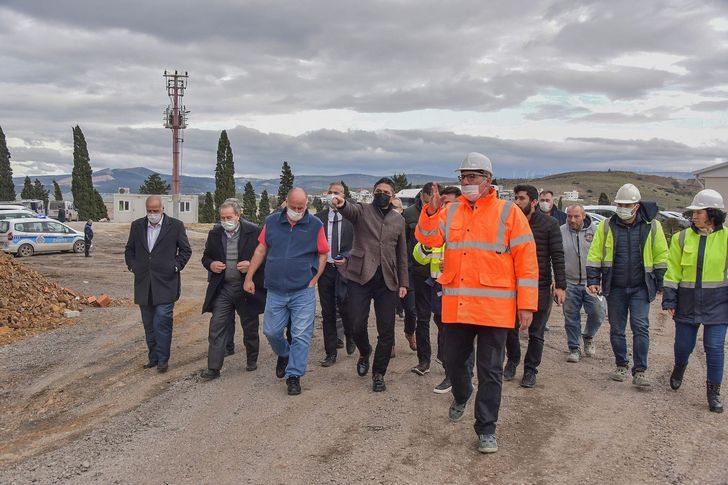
(382, 200)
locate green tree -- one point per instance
(317, 204)
(155, 185)
(57, 194)
(400, 182)
(7, 186)
(28, 191)
(561, 205)
(250, 207)
(82, 187)
(224, 171)
(101, 212)
(207, 209)
(40, 192)
(347, 193)
(286, 183)
(603, 199)
(264, 206)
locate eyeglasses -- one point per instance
(472, 177)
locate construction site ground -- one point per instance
(78, 407)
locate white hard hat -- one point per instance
(707, 199)
(628, 194)
(476, 161)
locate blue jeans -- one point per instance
(713, 343)
(298, 306)
(636, 302)
(576, 298)
(157, 320)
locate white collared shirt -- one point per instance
(153, 233)
(333, 216)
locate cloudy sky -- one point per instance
(372, 87)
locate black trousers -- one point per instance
(534, 351)
(228, 301)
(359, 300)
(410, 308)
(423, 306)
(490, 352)
(331, 299)
(86, 246)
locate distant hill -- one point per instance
(108, 181)
(669, 193)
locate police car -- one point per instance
(24, 237)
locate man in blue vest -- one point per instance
(294, 247)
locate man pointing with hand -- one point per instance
(490, 274)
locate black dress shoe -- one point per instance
(251, 366)
(378, 383)
(209, 374)
(281, 367)
(362, 365)
(150, 364)
(339, 343)
(162, 367)
(328, 361)
(229, 352)
(350, 346)
(294, 385)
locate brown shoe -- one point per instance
(411, 340)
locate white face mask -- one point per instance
(328, 199)
(230, 225)
(154, 218)
(293, 215)
(625, 213)
(471, 192)
(545, 206)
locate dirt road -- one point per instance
(77, 407)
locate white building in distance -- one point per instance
(129, 207)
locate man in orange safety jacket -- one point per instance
(490, 274)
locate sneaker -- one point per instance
(589, 349)
(444, 387)
(411, 340)
(509, 371)
(378, 383)
(294, 385)
(421, 369)
(457, 410)
(529, 379)
(639, 379)
(574, 356)
(620, 373)
(487, 443)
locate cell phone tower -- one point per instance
(175, 118)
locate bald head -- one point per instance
(297, 199)
(154, 204)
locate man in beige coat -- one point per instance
(376, 269)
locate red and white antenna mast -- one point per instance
(175, 118)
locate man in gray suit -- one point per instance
(376, 269)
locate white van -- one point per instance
(24, 237)
(66, 205)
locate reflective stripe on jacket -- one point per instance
(696, 282)
(490, 260)
(654, 255)
(432, 256)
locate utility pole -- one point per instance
(175, 117)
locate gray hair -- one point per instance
(575, 206)
(231, 203)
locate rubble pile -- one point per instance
(29, 303)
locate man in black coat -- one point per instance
(547, 206)
(156, 252)
(228, 251)
(550, 253)
(332, 285)
(88, 235)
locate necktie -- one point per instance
(335, 238)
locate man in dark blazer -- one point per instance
(332, 285)
(375, 270)
(156, 252)
(227, 255)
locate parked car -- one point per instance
(16, 214)
(602, 210)
(664, 216)
(596, 218)
(24, 237)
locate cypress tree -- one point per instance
(250, 208)
(28, 191)
(155, 185)
(82, 185)
(7, 186)
(207, 209)
(224, 171)
(286, 183)
(317, 204)
(101, 212)
(400, 182)
(264, 206)
(40, 192)
(347, 193)
(57, 194)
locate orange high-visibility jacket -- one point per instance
(490, 260)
